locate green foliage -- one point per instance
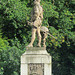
(15, 34)
(9, 58)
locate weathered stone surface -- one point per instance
(35, 69)
(35, 48)
(33, 58)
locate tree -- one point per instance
(59, 16)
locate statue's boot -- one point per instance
(30, 45)
(38, 45)
(44, 45)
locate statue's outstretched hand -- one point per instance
(30, 23)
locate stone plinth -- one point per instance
(36, 61)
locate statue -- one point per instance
(44, 31)
(36, 21)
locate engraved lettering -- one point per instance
(36, 69)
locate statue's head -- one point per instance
(36, 2)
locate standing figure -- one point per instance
(44, 31)
(36, 21)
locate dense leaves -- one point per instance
(15, 34)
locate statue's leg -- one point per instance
(44, 40)
(33, 37)
(39, 36)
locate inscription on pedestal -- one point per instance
(35, 69)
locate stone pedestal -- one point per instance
(36, 61)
